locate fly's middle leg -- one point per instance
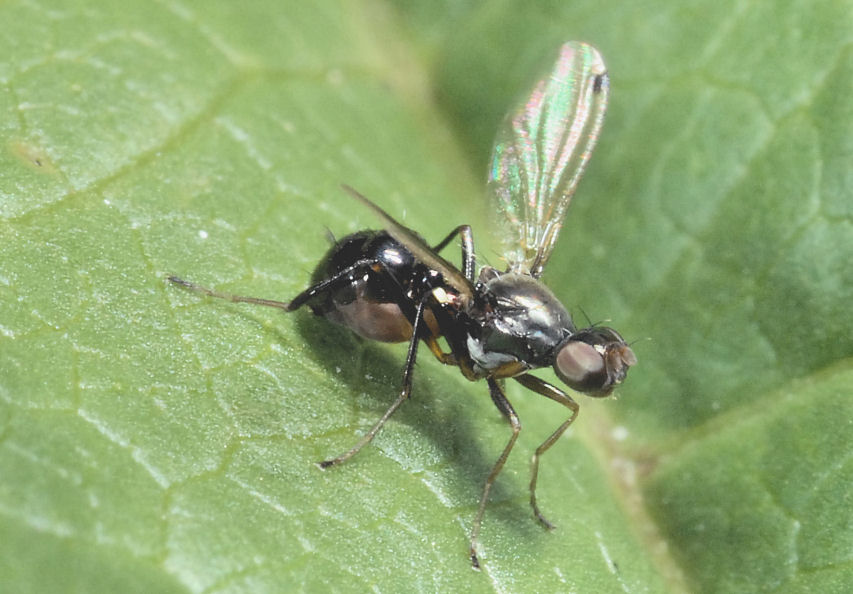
(500, 400)
(405, 392)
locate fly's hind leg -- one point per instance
(329, 285)
(500, 400)
(545, 389)
(341, 278)
(228, 296)
(405, 392)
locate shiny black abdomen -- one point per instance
(377, 288)
(360, 246)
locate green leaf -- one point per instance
(154, 440)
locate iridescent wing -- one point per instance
(541, 152)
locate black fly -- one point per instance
(391, 286)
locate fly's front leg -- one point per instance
(500, 400)
(545, 389)
(404, 392)
(468, 258)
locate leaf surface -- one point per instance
(154, 440)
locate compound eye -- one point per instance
(581, 367)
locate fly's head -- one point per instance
(594, 361)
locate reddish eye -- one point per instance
(580, 366)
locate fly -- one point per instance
(392, 286)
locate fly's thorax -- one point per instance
(518, 321)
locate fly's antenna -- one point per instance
(636, 340)
(587, 318)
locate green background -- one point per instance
(152, 440)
